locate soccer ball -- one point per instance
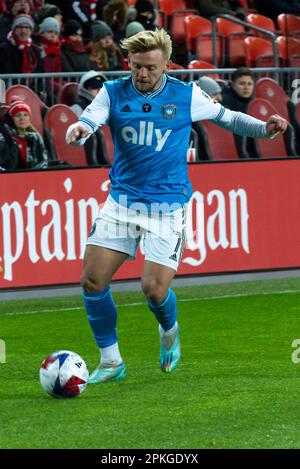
(64, 374)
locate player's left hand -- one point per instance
(276, 124)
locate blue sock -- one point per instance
(166, 311)
(102, 316)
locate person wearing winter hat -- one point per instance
(49, 25)
(101, 30)
(74, 55)
(90, 84)
(19, 106)
(105, 54)
(17, 53)
(146, 14)
(115, 14)
(211, 87)
(72, 28)
(32, 151)
(23, 21)
(50, 11)
(15, 8)
(133, 28)
(49, 41)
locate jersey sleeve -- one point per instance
(203, 107)
(97, 113)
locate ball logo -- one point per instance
(169, 111)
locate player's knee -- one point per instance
(89, 283)
(154, 290)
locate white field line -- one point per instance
(180, 300)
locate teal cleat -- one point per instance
(101, 375)
(169, 359)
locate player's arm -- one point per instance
(95, 115)
(203, 107)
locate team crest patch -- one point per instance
(169, 111)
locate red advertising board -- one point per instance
(243, 216)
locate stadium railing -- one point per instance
(46, 83)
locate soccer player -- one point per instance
(150, 116)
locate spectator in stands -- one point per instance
(211, 87)
(210, 8)
(89, 86)
(74, 55)
(115, 15)
(9, 152)
(273, 8)
(146, 14)
(15, 8)
(86, 12)
(17, 53)
(105, 54)
(50, 11)
(237, 96)
(133, 28)
(32, 151)
(49, 42)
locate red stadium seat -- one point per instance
(289, 24)
(201, 64)
(289, 50)
(221, 142)
(161, 19)
(262, 22)
(269, 89)
(68, 94)
(37, 106)
(57, 121)
(169, 6)
(177, 27)
(234, 35)
(259, 52)
(175, 11)
(198, 39)
(267, 148)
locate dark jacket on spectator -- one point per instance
(73, 61)
(231, 100)
(9, 153)
(11, 58)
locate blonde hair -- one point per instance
(146, 41)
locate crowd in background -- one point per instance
(84, 36)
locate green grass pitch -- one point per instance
(236, 385)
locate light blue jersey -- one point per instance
(151, 136)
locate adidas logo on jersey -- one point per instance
(145, 135)
(126, 109)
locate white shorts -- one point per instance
(162, 235)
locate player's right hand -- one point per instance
(76, 134)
